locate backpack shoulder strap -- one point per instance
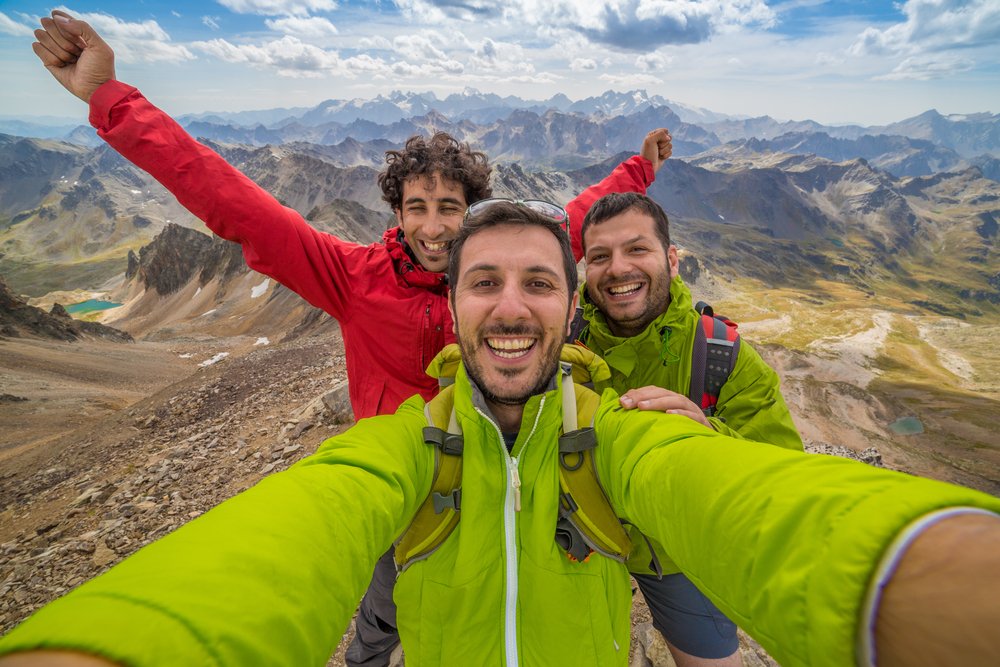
(586, 522)
(713, 357)
(438, 516)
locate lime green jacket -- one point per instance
(272, 576)
(750, 404)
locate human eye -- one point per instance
(596, 258)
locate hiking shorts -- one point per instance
(686, 618)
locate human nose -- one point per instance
(618, 264)
(435, 225)
(511, 306)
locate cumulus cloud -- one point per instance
(211, 21)
(501, 57)
(142, 42)
(632, 25)
(651, 62)
(9, 26)
(279, 7)
(376, 42)
(934, 25)
(311, 28)
(288, 55)
(582, 65)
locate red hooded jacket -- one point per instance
(393, 314)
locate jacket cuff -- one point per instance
(104, 100)
(887, 567)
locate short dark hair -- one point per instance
(442, 153)
(504, 213)
(617, 203)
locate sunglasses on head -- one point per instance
(544, 208)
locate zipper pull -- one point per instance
(515, 482)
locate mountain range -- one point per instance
(561, 133)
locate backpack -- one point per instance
(586, 521)
(716, 346)
(713, 357)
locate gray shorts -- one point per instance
(686, 618)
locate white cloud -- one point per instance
(175, 13)
(582, 65)
(211, 21)
(420, 47)
(279, 7)
(631, 79)
(651, 62)
(143, 42)
(311, 28)
(376, 42)
(924, 68)
(9, 26)
(501, 57)
(288, 55)
(935, 25)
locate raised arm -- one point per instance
(633, 175)
(276, 240)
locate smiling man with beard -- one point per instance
(642, 322)
(868, 558)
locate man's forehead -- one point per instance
(525, 248)
(433, 185)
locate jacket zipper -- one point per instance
(511, 506)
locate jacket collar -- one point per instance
(409, 270)
(622, 353)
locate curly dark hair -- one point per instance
(441, 153)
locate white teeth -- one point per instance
(435, 247)
(625, 289)
(510, 348)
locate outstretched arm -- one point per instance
(633, 175)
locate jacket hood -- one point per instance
(409, 270)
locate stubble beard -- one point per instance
(475, 371)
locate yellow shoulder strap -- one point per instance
(587, 522)
(438, 516)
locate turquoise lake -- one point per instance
(90, 306)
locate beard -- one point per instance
(533, 380)
(655, 304)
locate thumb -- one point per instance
(78, 32)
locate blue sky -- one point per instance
(833, 62)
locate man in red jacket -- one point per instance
(390, 298)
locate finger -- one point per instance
(48, 58)
(65, 41)
(46, 40)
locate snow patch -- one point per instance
(187, 355)
(136, 192)
(259, 290)
(208, 313)
(214, 360)
(198, 291)
(263, 340)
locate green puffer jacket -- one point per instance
(750, 404)
(272, 576)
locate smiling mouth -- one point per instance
(510, 348)
(435, 246)
(627, 289)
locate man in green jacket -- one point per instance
(641, 320)
(820, 559)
